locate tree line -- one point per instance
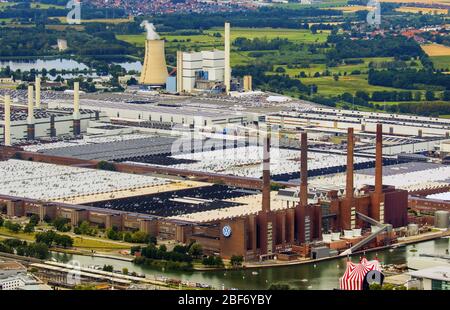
(389, 46)
(408, 78)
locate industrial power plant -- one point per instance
(195, 156)
(196, 71)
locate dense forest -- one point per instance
(37, 41)
(276, 83)
(389, 46)
(408, 78)
(265, 17)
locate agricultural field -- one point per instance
(417, 10)
(44, 6)
(63, 20)
(327, 86)
(441, 62)
(209, 40)
(294, 35)
(352, 8)
(436, 49)
(323, 4)
(6, 4)
(64, 27)
(418, 1)
(313, 68)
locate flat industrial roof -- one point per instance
(178, 108)
(51, 182)
(441, 273)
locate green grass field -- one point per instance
(46, 6)
(294, 35)
(323, 4)
(441, 62)
(327, 86)
(79, 242)
(207, 39)
(21, 235)
(3, 5)
(313, 68)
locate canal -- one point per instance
(320, 276)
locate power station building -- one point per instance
(205, 70)
(200, 70)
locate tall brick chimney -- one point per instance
(266, 174)
(304, 169)
(300, 210)
(377, 200)
(379, 161)
(350, 147)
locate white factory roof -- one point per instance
(278, 99)
(44, 181)
(440, 196)
(246, 161)
(415, 180)
(441, 273)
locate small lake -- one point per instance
(60, 64)
(39, 64)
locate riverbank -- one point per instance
(403, 242)
(270, 264)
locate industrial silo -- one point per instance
(441, 219)
(413, 229)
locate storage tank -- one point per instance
(357, 232)
(335, 236)
(441, 219)
(326, 238)
(413, 229)
(348, 233)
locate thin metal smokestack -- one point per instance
(266, 174)
(379, 160)
(350, 148)
(7, 129)
(76, 108)
(227, 72)
(30, 118)
(38, 92)
(304, 169)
